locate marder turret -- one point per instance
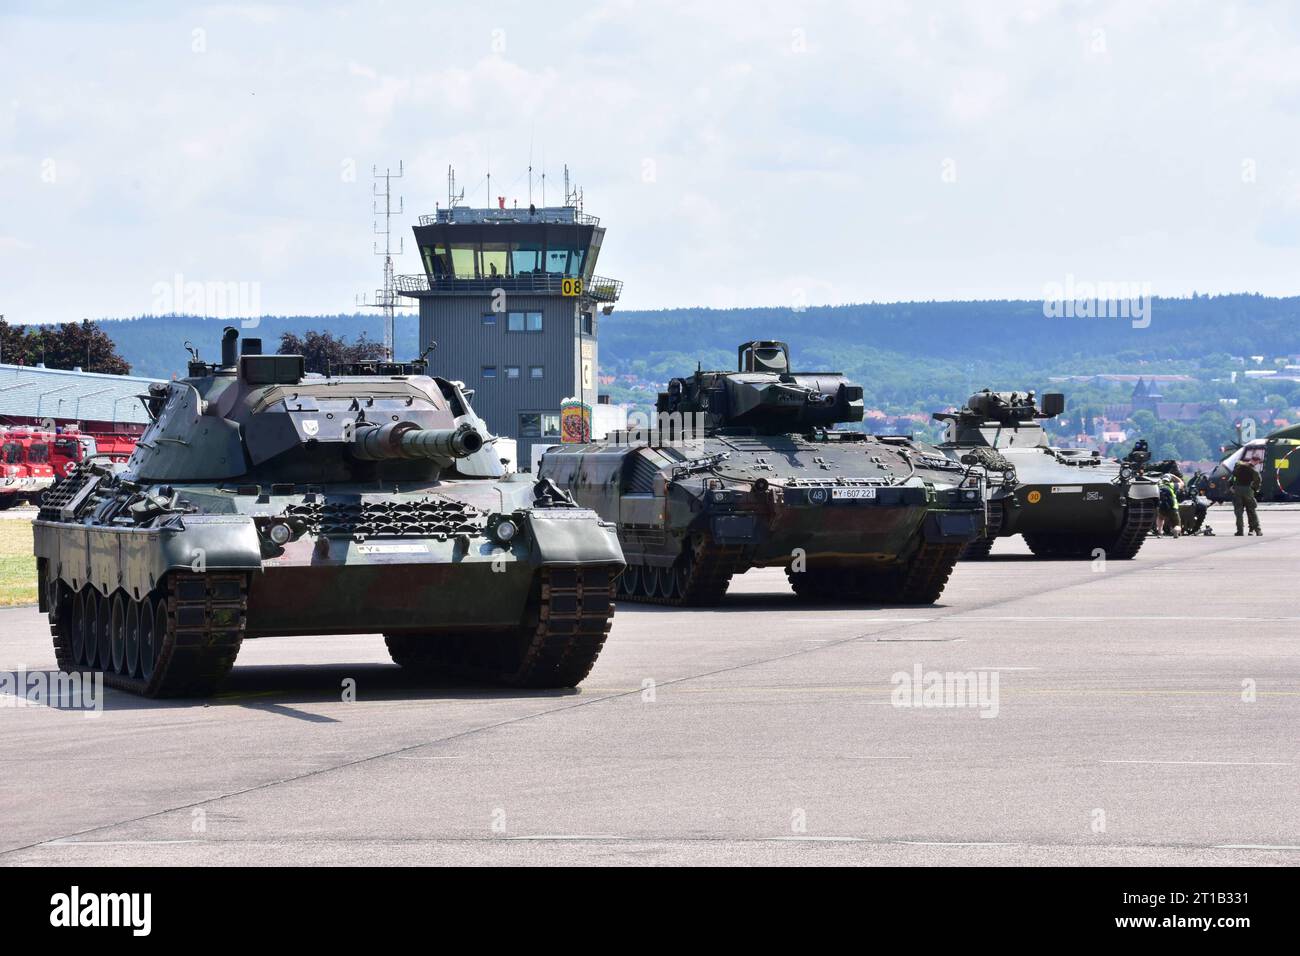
(263, 501)
(1067, 502)
(745, 469)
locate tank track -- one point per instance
(920, 581)
(569, 620)
(1138, 521)
(978, 550)
(699, 578)
(202, 618)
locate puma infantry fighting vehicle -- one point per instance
(1068, 503)
(263, 501)
(744, 469)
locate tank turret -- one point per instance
(256, 416)
(763, 396)
(987, 415)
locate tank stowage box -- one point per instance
(1068, 503)
(263, 501)
(745, 469)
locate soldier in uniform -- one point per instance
(1167, 518)
(1245, 485)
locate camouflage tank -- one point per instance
(744, 469)
(263, 501)
(1067, 502)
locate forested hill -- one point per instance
(1187, 330)
(989, 334)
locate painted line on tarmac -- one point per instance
(1208, 763)
(118, 842)
(566, 836)
(1254, 846)
(945, 843)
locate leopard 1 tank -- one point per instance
(264, 501)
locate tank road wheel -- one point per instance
(681, 573)
(153, 622)
(63, 625)
(77, 627)
(117, 631)
(629, 582)
(180, 641)
(651, 582)
(132, 663)
(103, 633)
(668, 585)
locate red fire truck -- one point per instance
(70, 448)
(25, 468)
(32, 459)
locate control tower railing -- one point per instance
(552, 215)
(597, 288)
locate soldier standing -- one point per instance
(1245, 485)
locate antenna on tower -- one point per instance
(387, 298)
(453, 197)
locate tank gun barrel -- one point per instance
(408, 440)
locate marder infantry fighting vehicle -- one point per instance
(745, 470)
(263, 501)
(1066, 502)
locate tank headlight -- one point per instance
(969, 494)
(506, 530)
(280, 534)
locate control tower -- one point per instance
(511, 298)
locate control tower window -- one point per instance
(527, 258)
(557, 261)
(436, 261)
(464, 258)
(496, 256)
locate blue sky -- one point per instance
(740, 154)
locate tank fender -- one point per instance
(213, 542)
(569, 536)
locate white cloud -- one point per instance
(793, 146)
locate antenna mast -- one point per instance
(387, 298)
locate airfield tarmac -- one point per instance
(1147, 713)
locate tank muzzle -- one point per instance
(409, 440)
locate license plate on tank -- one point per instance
(852, 493)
